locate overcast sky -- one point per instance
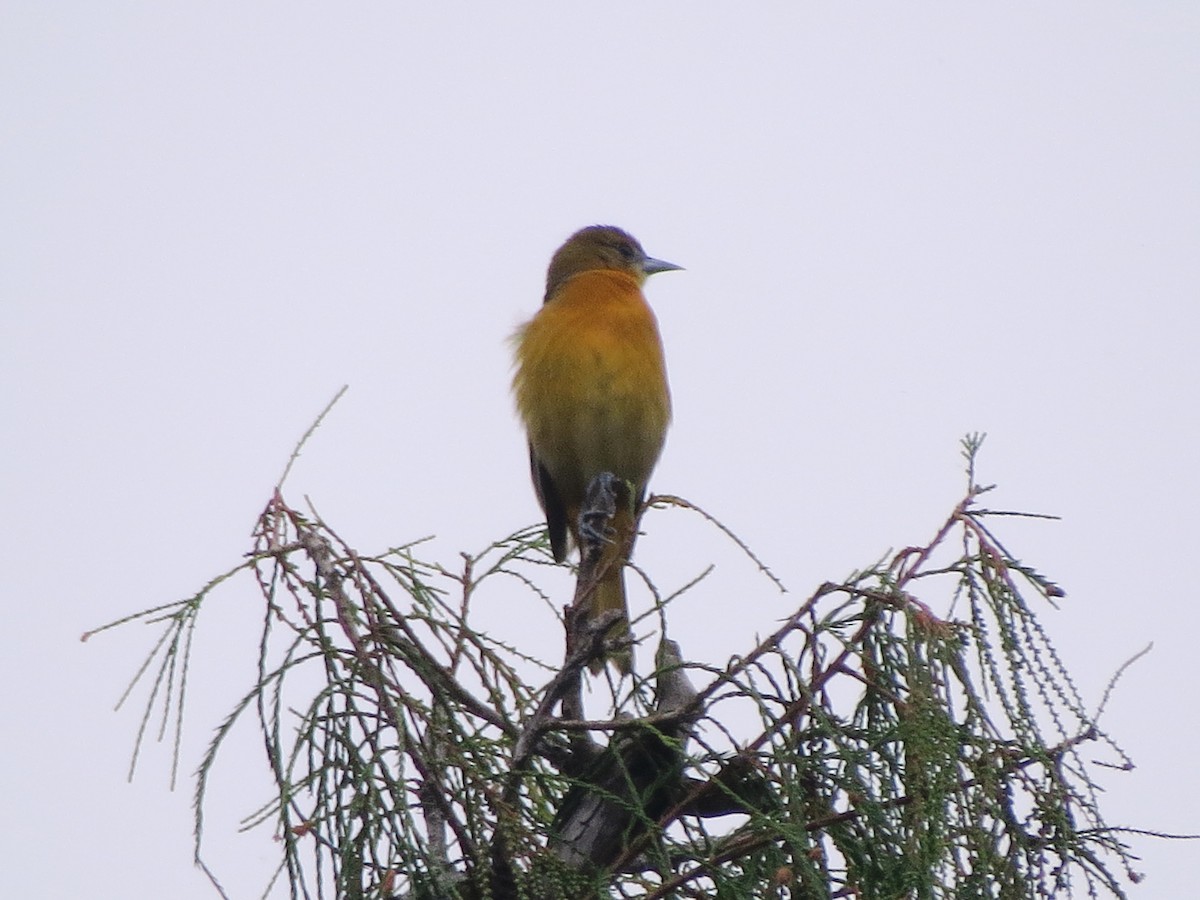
(900, 223)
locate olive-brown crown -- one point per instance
(601, 247)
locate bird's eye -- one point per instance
(627, 252)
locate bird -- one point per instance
(591, 389)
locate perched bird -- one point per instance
(591, 389)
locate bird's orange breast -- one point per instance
(590, 385)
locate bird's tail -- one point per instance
(614, 550)
(610, 594)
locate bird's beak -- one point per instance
(652, 265)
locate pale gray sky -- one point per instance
(900, 223)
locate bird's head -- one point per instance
(602, 247)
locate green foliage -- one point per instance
(870, 747)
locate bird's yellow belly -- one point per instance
(598, 404)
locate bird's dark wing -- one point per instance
(552, 506)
